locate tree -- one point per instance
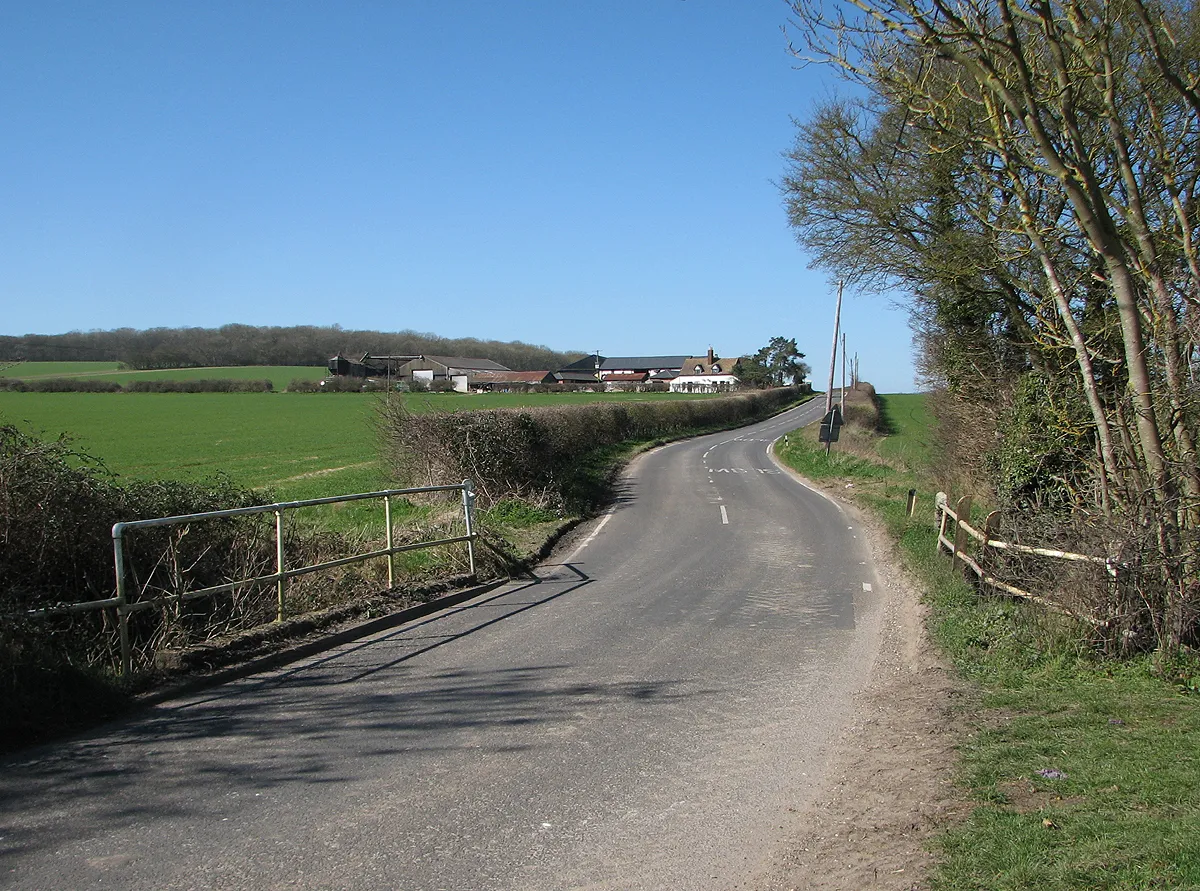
(775, 365)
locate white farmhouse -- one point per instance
(706, 374)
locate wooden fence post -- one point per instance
(963, 511)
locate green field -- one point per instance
(909, 425)
(299, 445)
(279, 375)
(31, 370)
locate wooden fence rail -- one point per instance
(954, 530)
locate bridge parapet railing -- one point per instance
(124, 605)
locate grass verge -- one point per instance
(1082, 772)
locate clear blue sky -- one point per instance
(583, 176)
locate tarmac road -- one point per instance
(650, 711)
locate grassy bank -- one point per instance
(1082, 772)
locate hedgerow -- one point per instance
(540, 453)
(57, 509)
(59, 385)
(339, 384)
(202, 385)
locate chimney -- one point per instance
(711, 359)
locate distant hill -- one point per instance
(249, 345)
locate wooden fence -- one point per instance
(955, 533)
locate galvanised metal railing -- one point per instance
(124, 607)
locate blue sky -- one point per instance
(583, 176)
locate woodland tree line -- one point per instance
(1027, 171)
(232, 345)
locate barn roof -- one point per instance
(466, 364)
(642, 363)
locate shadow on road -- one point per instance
(364, 710)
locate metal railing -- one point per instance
(124, 607)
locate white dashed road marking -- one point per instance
(724, 516)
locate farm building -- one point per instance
(623, 369)
(458, 370)
(340, 366)
(367, 366)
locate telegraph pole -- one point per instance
(837, 322)
(843, 374)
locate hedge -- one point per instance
(539, 452)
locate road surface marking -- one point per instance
(587, 541)
(867, 587)
(724, 516)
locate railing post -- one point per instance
(118, 535)
(281, 584)
(468, 498)
(962, 511)
(387, 518)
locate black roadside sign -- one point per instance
(831, 425)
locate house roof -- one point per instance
(628, 376)
(706, 367)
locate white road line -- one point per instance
(867, 587)
(724, 516)
(587, 541)
(795, 477)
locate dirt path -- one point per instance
(892, 785)
(323, 472)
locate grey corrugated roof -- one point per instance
(642, 363)
(588, 361)
(468, 364)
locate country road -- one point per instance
(649, 711)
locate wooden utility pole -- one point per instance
(843, 374)
(837, 322)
